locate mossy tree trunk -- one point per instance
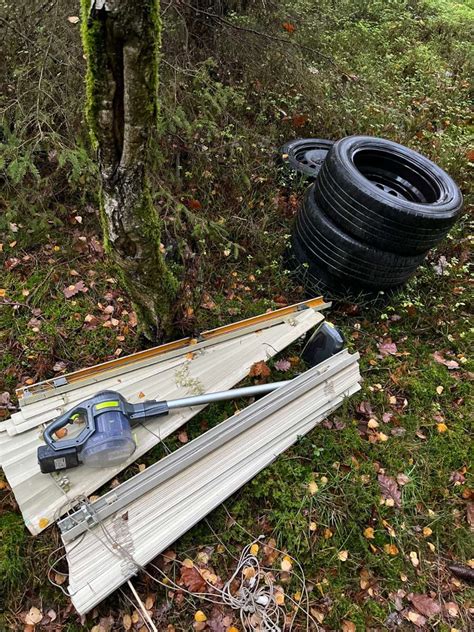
(121, 40)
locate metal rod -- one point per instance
(221, 396)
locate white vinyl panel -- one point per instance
(156, 524)
(39, 497)
(144, 379)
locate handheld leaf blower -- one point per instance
(106, 439)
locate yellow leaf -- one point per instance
(442, 427)
(313, 526)
(439, 389)
(373, 423)
(328, 534)
(403, 577)
(343, 555)
(414, 558)
(2, 293)
(286, 564)
(43, 523)
(427, 532)
(312, 487)
(431, 547)
(297, 596)
(254, 549)
(127, 622)
(391, 549)
(232, 629)
(324, 480)
(200, 617)
(381, 436)
(188, 563)
(279, 595)
(369, 533)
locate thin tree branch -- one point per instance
(275, 38)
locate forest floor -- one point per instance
(378, 501)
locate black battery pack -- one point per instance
(53, 460)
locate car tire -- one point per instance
(387, 195)
(344, 258)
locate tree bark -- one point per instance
(122, 40)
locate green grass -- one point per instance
(223, 118)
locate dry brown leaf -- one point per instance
(425, 604)
(343, 555)
(389, 489)
(33, 616)
(259, 369)
(348, 626)
(191, 578)
(127, 622)
(450, 364)
(416, 618)
(470, 514)
(414, 559)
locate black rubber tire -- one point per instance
(353, 187)
(349, 261)
(305, 156)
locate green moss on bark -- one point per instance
(122, 46)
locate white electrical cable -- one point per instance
(143, 610)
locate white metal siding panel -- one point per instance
(159, 517)
(42, 500)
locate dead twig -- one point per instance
(274, 38)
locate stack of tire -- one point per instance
(371, 214)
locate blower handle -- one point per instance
(65, 419)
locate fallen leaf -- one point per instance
(391, 549)
(389, 489)
(452, 608)
(426, 605)
(312, 487)
(313, 526)
(442, 427)
(33, 616)
(416, 618)
(387, 348)
(414, 559)
(200, 617)
(127, 622)
(450, 364)
(470, 514)
(328, 534)
(427, 532)
(254, 549)
(289, 28)
(191, 578)
(183, 436)
(372, 423)
(59, 366)
(43, 522)
(348, 626)
(282, 365)
(3, 293)
(369, 533)
(259, 369)
(279, 595)
(286, 564)
(73, 19)
(72, 290)
(343, 555)
(439, 389)
(402, 479)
